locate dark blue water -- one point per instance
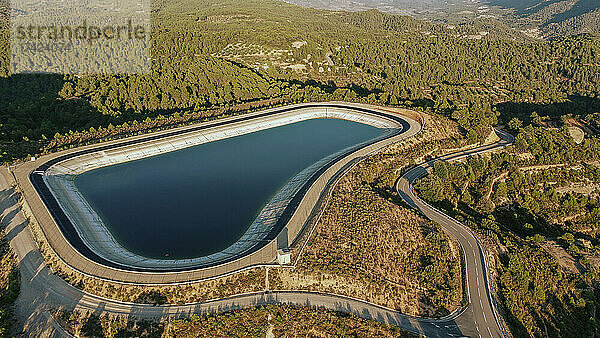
(197, 201)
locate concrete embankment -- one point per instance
(56, 203)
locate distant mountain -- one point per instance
(390, 6)
(540, 18)
(554, 17)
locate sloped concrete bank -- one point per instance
(80, 239)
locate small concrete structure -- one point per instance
(284, 256)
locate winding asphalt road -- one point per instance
(42, 291)
(481, 311)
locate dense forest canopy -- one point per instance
(224, 52)
(539, 203)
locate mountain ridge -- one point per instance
(544, 19)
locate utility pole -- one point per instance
(266, 278)
(13, 174)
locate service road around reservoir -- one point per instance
(483, 318)
(42, 291)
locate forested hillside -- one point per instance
(222, 53)
(539, 204)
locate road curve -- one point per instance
(480, 318)
(42, 291)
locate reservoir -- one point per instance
(200, 200)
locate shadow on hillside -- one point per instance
(32, 106)
(528, 7)
(32, 111)
(576, 105)
(387, 192)
(153, 297)
(92, 327)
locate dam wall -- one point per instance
(95, 234)
(295, 201)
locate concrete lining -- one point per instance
(80, 164)
(294, 202)
(91, 229)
